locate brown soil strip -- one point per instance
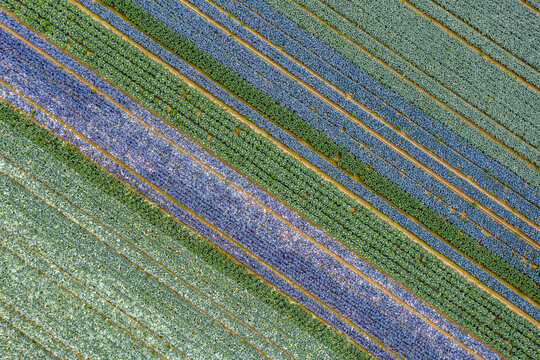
(148, 256)
(474, 47)
(530, 6)
(491, 40)
(28, 336)
(419, 88)
(200, 218)
(358, 199)
(374, 133)
(77, 298)
(432, 78)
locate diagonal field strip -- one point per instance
(134, 189)
(150, 55)
(378, 136)
(422, 90)
(12, 337)
(478, 50)
(523, 110)
(78, 214)
(341, 260)
(170, 198)
(102, 238)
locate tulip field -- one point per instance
(270, 179)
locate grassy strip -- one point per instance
(385, 188)
(197, 244)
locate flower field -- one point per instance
(267, 179)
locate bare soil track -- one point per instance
(418, 87)
(198, 89)
(447, 261)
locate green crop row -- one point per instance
(367, 62)
(217, 259)
(301, 129)
(131, 70)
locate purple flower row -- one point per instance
(314, 158)
(210, 198)
(204, 35)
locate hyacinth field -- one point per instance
(270, 179)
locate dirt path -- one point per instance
(530, 6)
(131, 244)
(419, 88)
(200, 218)
(203, 91)
(293, 154)
(378, 136)
(474, 47)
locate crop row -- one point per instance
(451, 288)
(17, 344)
(415, 92)
(194, 243)
(262, 196)
(98, 270)
(417, 187)
(199, 191)
(196, 194)
(170, 254)
(451, 18)
(436, 52)
(508, 23)
(351, 79)
(286, 118)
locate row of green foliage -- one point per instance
(198, 245)
(366, 61)
(363, 231)
(301, 129)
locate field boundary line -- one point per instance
(419, 88)
(109, 229)
(360, 200)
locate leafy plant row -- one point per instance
(176, 231)
(446, 59)
(352, 80)
(508, 23)
(381, 158)
(74, 250)
(286, 118)
(304, 151)
(211, 198)
(157, 245)
(449, 279)
(416, 96)
(478, 34)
